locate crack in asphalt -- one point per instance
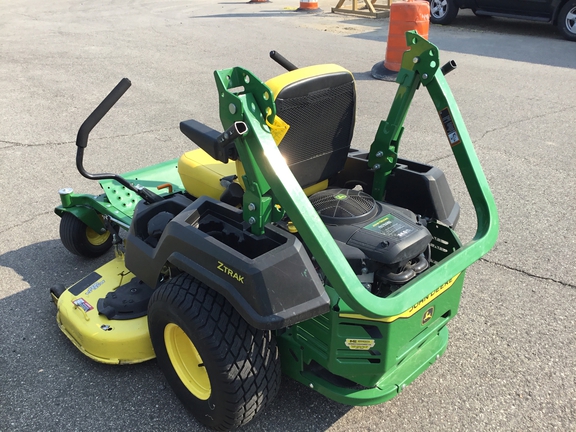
(18, 144)
(439, 158)
(477, 140)
(522, 121)
(26, 221)
(13, 144)
(524, 272)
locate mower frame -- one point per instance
(339, 339)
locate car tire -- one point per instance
(222, 369)
(567, 20)
(82, 240)
(443, 11)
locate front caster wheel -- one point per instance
(82, 240)
(222, 369)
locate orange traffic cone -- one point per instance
(310, 6)
(404, 16)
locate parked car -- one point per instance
(561, 13)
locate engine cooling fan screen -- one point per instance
(343, 206)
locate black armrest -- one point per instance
(210, 140)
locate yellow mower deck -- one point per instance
(104, 340)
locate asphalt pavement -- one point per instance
(511, 360)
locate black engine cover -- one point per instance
(385, 233)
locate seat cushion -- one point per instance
(201, 174)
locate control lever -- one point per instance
(281, 60)
(82, 142)
(448, 67)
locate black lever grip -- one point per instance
(82, 141)
(210, 140)
(448, 67)
(281, 60)
(100, 111)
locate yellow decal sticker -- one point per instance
(278, 129)
(228, 271)
(360, 344)
(407, 314)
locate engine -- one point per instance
(386, 246)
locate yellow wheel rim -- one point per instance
(187, 361)
(96, 239)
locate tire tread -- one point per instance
(73, 237)
(247, 358)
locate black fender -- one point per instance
(269, 279)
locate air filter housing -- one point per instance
(344, 206)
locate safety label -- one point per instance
(449, 127)
(360, 344)
(278, 129)
(82, 304)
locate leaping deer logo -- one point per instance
(428, 315)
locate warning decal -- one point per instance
(278, 129)
(360, 344)
(449, 127)
(82, 304)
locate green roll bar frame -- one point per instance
(271, 188)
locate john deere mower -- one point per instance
(276, 247)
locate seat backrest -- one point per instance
(319, 105)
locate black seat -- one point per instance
(319, 104)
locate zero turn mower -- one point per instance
(277, 247)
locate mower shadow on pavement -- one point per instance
(42, 375)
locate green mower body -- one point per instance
(311, 297)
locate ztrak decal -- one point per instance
(360, 344)
(230, 272)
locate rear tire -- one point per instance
(222, 369)
(443, 11)
(567, 20)
(82, 240)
